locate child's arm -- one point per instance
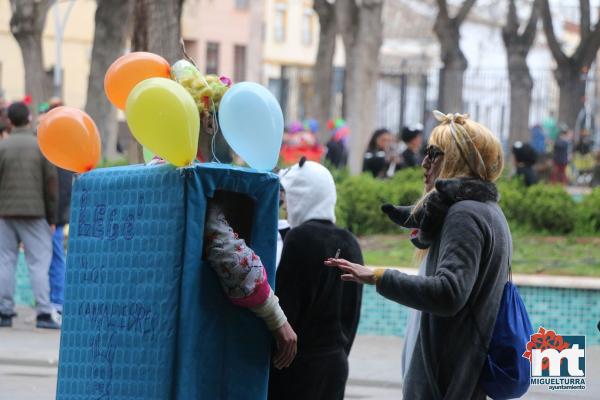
(241, 271)
(244, 279)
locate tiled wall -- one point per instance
(567, 311)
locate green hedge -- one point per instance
(542, 208)
(360, 198)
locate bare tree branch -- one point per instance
(464, 11)
(584, 11)
(443, 8)
(346, 14)
(511, 28)
(531, 28)
(322, 7)
(553, 44)
(588, 47)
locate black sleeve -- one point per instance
(446, 292)
(351, 301)
(50, 187)
(289, 282)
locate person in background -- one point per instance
(337, 147)
(560, 157)
(379, 159)
(323, 311)
(57, 266)
(28, 205)
(550, 127)
(525, 158)
(413, 138)
(4, 127)
(538, 140)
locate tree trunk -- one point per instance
(450, 88)
(450, 93)
(517, 47)
(571, 82)
(27, 25)
(164, 28)
(362, 32)
(323, 69)
(521, 85)
(157, 29)
(570, 69)
(111, 23)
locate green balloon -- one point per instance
(148, 155)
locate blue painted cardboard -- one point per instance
(144, 316)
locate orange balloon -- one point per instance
(69, 139)
(129, 70)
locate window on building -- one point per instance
(280, 22)
(307, 27)
(212, 58)
(242, 4)
(239, 60)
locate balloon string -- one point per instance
(214, 117)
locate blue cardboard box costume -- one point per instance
(144, 316)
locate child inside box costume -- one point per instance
(145, 315)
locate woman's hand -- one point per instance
(352, 272)
(287, 343)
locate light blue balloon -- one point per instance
(252, 123)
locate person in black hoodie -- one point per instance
(413, 138)
(525, 158)
(323, 310)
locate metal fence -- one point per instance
(407, 97)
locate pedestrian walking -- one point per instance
(28, 202)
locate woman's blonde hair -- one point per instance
(470, 151)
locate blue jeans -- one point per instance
(57, 269)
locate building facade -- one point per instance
(224, 37)
(76, 52)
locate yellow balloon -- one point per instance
(164, 118)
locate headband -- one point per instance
(466, 147)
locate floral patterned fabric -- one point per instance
(241, 273)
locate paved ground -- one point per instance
(28, 362)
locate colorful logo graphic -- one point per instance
(556, 361)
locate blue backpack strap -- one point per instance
(475, 324)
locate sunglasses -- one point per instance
(433, 152)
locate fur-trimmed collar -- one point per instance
(428, 220)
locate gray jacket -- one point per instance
(28, 182)
(467, 267)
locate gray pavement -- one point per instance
(28, 366)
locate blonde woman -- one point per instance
(467, 247)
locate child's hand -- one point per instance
(287, 343)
